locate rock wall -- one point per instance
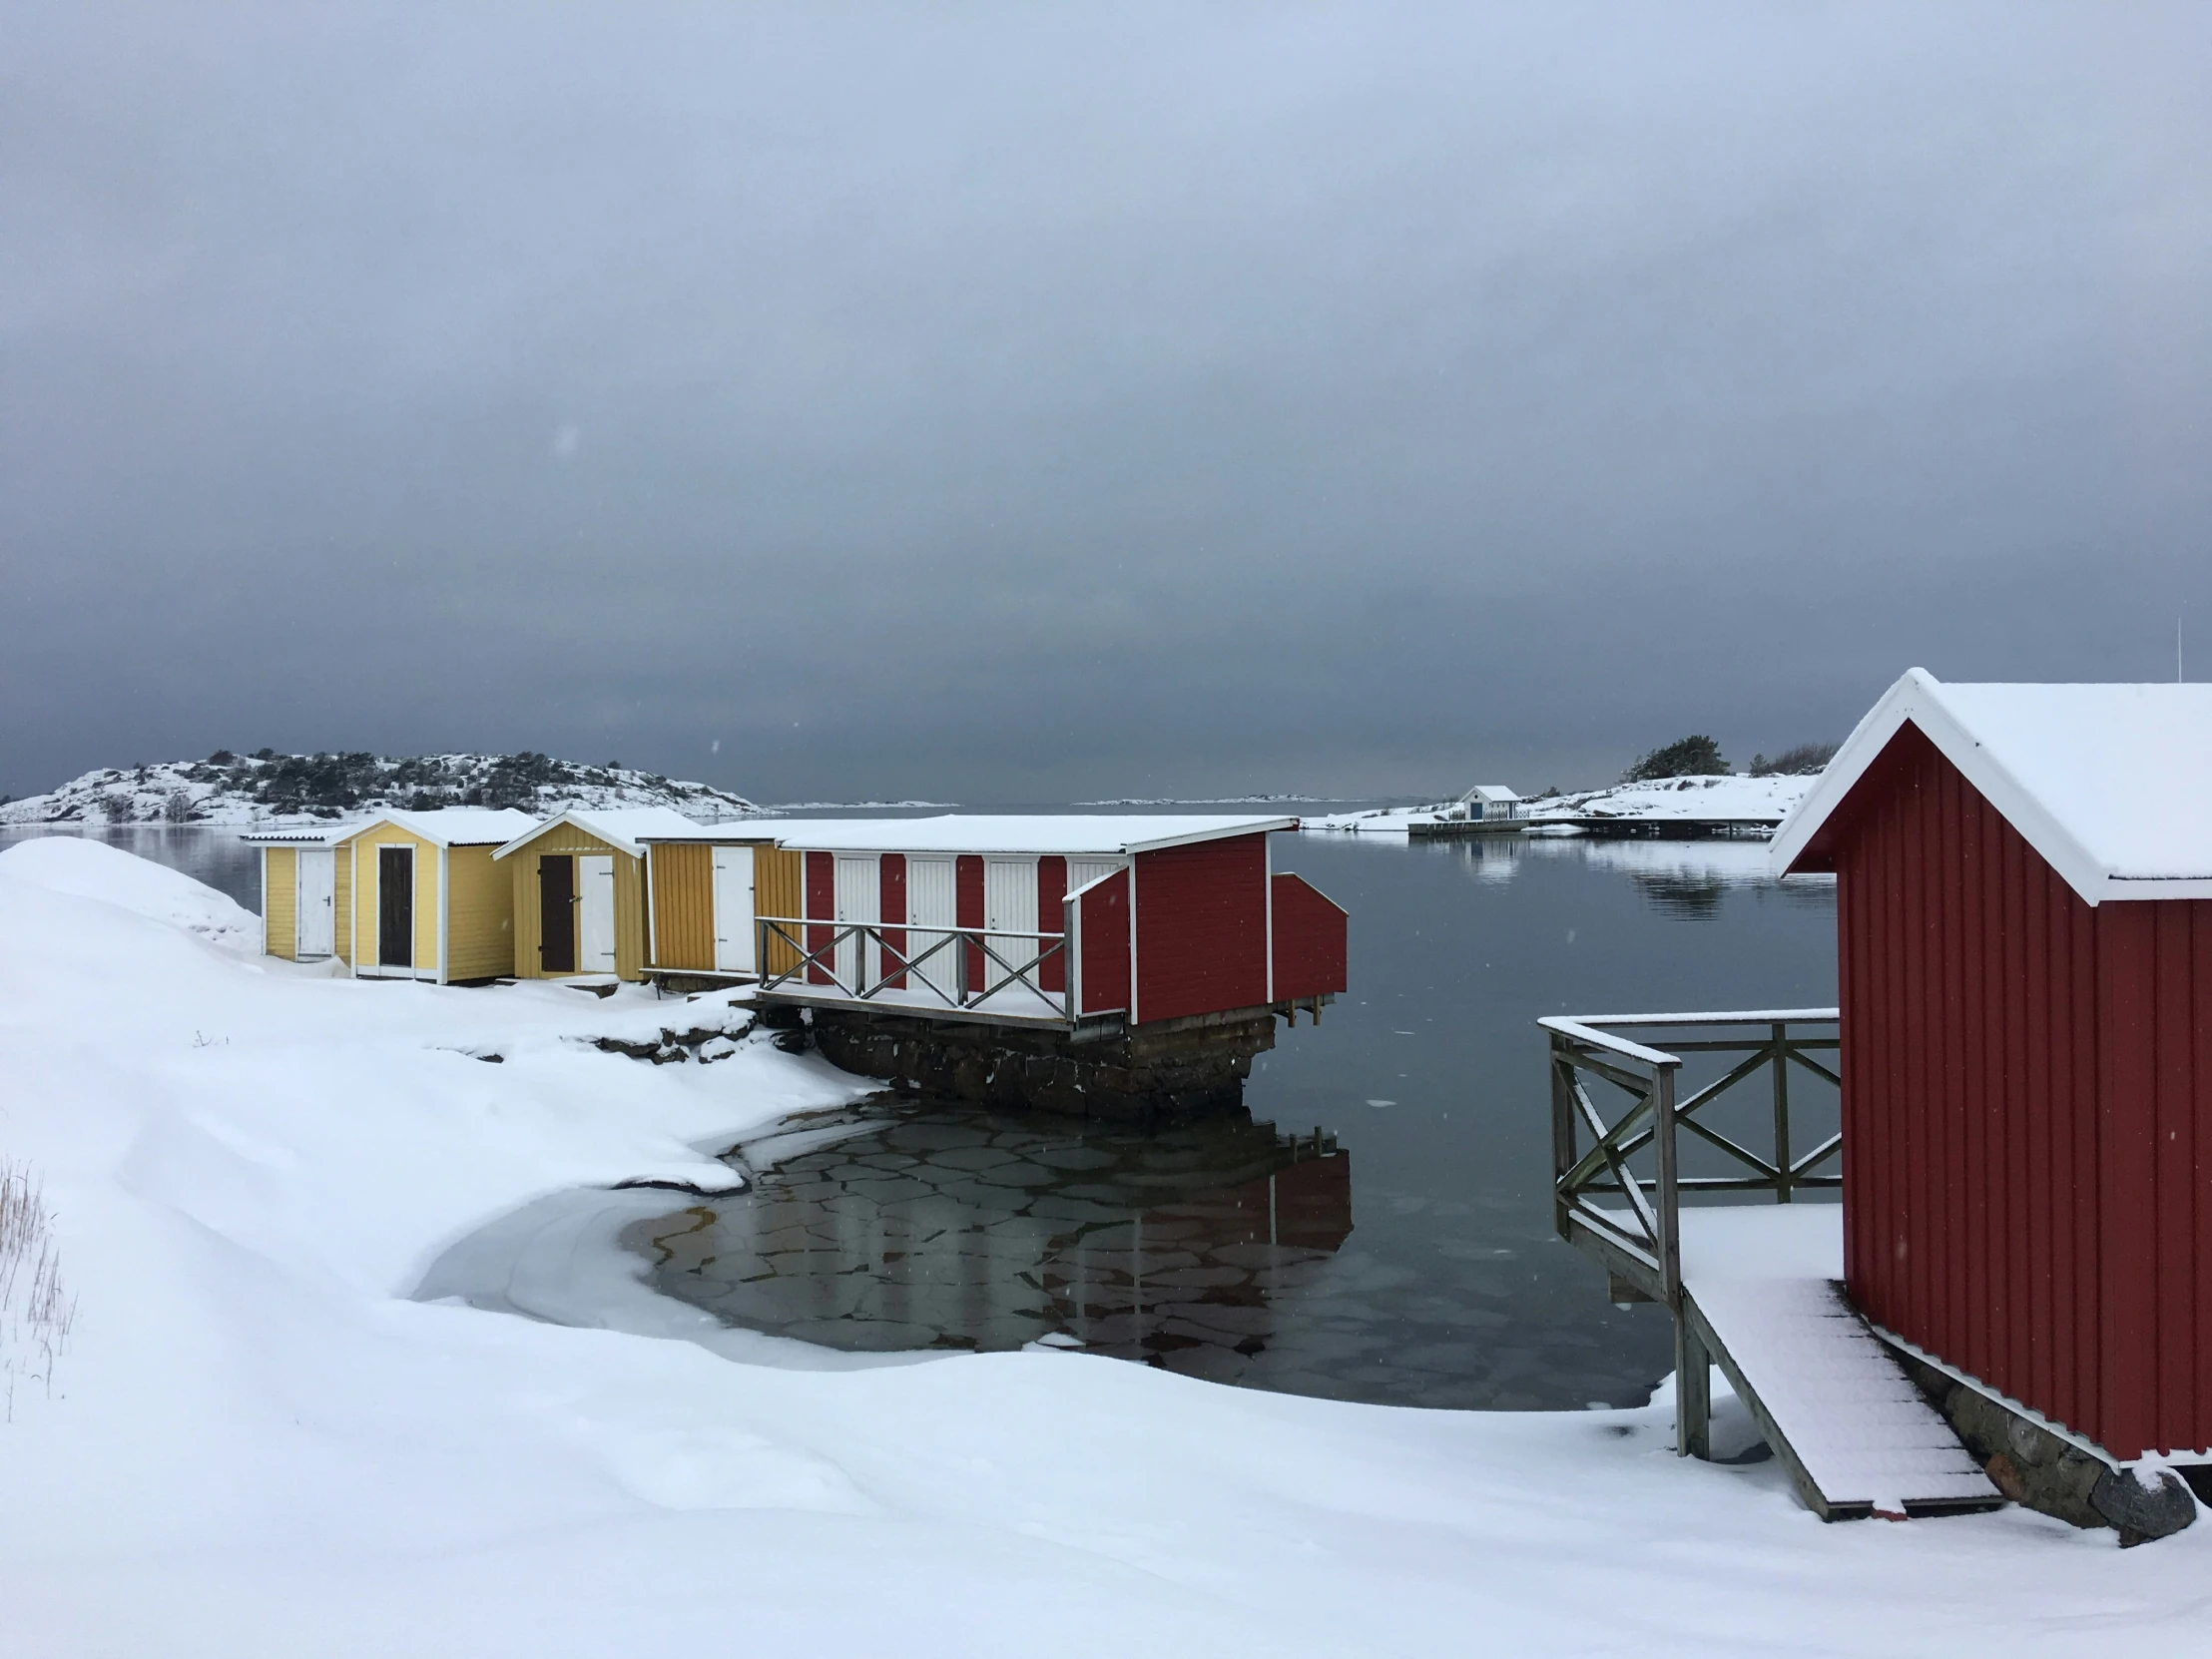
(1134, 1076)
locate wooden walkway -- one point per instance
(1755, 1288)
(1761, 1296)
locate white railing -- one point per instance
(941, 971)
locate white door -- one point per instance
(932, 902)
(315, 915)
(733, 909)
(859, 899)
(1009, 911)
(594, 921)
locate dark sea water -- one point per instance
(1379, 1226)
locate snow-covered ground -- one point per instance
(279, 791)
(1738, 796)
(257, 1443)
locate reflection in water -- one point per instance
(954, 1226)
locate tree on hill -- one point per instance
(1800, 761)
(1692, 757)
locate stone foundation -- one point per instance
(1179, 1070)
(2038, 1470)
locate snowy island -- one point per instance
(1753, 804)
(266, 789)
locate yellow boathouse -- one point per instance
(704, 884)
(417, 895)
(305, 892)
(577, 881)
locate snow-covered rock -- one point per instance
(275, 791)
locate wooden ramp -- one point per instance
(1836, 1408)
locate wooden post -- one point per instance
(1563, 1131)
(1693, 1390)
(1667, 1212)
(1780, 1062)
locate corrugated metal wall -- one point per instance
(1310, 943)
(479, 916)
(1052, 893)
(683, 906)
(2027, 1112)
(281, 901)
(341, 903)
(1202, 928)
(778, 874)
(890, 908)
(1105, 945)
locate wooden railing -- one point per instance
(941, 972)
(1632, 1157)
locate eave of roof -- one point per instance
(1921, 699)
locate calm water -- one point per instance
(1377, 1229)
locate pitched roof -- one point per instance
(1490, 792)
(305, 834)
(453, 825)
(621, 827)
(2111, 785)
(1012, 833)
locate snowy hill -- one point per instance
(1741, 797)
(266, 789)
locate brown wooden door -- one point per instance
(395, 907)
(557, 913)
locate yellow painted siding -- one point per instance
(363, 906)
(566, 841)
(684, 907)
(479, 916)
(281, 901)
(629, 917)
(341, 905)
(778, 874)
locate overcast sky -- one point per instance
(1039, 403)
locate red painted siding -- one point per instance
(2027, 1112)
(1052, 893)
(892, 902)
(967, 911)
(821, 900)
(1202, 928)
(1104, 942)
(1310, 940)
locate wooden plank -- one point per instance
(1836, 1408)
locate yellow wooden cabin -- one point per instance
(305, 892)
(705, 886)
(413, 895)
(578, 889)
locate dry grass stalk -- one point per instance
(36, 1312)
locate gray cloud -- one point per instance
(1018, 402)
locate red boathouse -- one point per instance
(2025, 926)
(1050, 960)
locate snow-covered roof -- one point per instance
(454, 826)
(1490, 792)
(1041, 832)
(307, 834)
(2111, 785)
(624, 826)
